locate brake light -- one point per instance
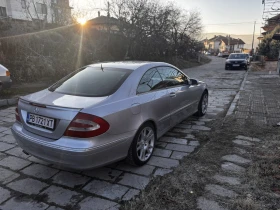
(86, 126)
(17, 116)
(8, 73)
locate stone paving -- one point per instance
(230, 177)
(260, 100)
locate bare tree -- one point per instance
(150, 23)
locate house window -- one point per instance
(23, 4)
(3, 12)
(41, 8)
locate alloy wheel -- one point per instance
(204, 103)
(145, 144)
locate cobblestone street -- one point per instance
(29, 183)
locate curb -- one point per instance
(8, 102)
(234, 102)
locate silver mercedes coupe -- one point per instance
(107, 112)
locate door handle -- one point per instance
(172, 95)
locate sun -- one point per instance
(82, 21)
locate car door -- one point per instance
(154, 100)
(183, 97)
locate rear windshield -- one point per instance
(92, 82)
(237, 56)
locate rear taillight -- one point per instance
(17, 116)
(8, 73)
(86, 126)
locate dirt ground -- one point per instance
(260, 187)
(269, 66)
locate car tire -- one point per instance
(202, 103)
(246, 68)
(141, 148)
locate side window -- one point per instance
(150, 81)
(172, 77)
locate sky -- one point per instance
(227, 11)
(216, 14)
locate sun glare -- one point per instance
(82, 21)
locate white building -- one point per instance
(49, 11)
(224, 44)
(229, 44)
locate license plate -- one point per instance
(235, 65)
(40, 121)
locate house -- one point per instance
(104, 23)
(229, 44)
(47, 11)
(223, 44)
(270, 25)
(212, 45)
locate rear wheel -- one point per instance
(203, 105)
(142, 146)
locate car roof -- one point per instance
(132, 65)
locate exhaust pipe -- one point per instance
(25, 152)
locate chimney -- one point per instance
(98, 13)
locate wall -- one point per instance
(216, 45)
(23, 14)
(222, 47)
(3, 3)
(18, 12)
(238, 48)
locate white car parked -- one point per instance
(5, 77)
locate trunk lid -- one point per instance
(60, 107)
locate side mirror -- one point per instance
(193, 82)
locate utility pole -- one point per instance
(108, 5)
(229, 43)
(238, 46)
(253, 37)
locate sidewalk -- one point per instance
(259, 102)
(249, 174)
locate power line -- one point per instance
(212, 24)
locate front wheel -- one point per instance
(203, 105)
(142, 146)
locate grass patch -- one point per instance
(185, 64)
(245, 204)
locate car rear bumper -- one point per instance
(76, 157)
